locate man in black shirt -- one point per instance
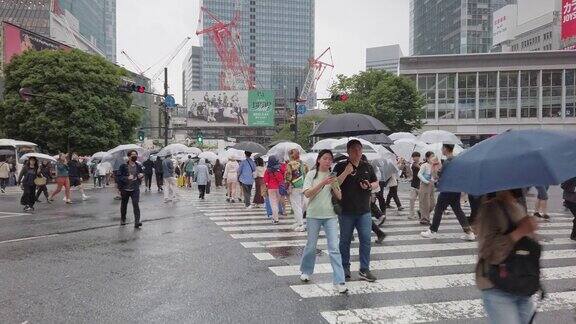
(74, 175)
(148, 167)
(357, 180)
(451, 199)
(129, 178)
(158, 172)
(414, 183)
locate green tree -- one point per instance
(79, 107)
(305, 128)
(394, 100)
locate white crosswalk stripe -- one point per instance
(407, 262)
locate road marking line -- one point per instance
(253, 222)
(415, 283)
(263, 256)
(10, 213)
(388, 238)
(424, 262)
(289, 243)
(240, 218)
(437, 312)
(28, 238)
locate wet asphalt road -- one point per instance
(74, 264)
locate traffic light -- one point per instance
(339, 97)
(141, 135)
(129, 86)
(200, 138)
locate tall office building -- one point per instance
(191, 73)
(452, 26)
(277, 41)
(385, 58)
(97, 19)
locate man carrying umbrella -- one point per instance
(130, 176)
(357, 180)
(446, 199)
(246, 171)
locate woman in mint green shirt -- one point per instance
(319, 186)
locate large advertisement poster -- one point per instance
(230, 108)
(16, 40)
(568, 19)
(503, 24)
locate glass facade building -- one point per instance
(452, 26)
(484, 94)
(31, 15)
(97, 22)
(277, 42)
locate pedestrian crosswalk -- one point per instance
(420, 280)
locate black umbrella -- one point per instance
(379, 139)
(250, 147)
(350, 124)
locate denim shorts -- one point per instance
(542, 193)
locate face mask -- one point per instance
(133, 158)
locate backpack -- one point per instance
(519, 273)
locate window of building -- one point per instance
(487, 91)
(552, 93)
(427, 87)
(467, 95)
(446, 96)
(508, 94)
(570, 93)
(529, 94)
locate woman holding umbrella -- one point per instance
(26, 179)
(45, 172)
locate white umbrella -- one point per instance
(405, 147)
(281, 150)
(98, 156)
(194, 151)
(124, 148)
(436, 148)
(38, 156)
(367, 147)
(210, 156)
(309, 159)
(399, 135)
(173, 149)
(325, 144)
(439, 136)
(232, 153)
(118, 155)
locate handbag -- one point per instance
(40, 181)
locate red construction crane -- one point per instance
(235, 73)
(315, 70)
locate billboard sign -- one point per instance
(16, 40)
(568, 19)
(231, 108)
(504, 24)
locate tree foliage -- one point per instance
(79, 106)
(394, 100)
(305, 128)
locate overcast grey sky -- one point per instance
(150, 30)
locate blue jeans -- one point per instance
(363, 224)
(330, 226)
(503, 307)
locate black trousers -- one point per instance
(376, 229)
(393, 194)
(380, 196)
(572, 207)
(148, 180)
(474, 206)
(159, 180)
(29, 196)
(444, 200)
(135, 196)
(247, 190)
(40, 190)
(202, 189)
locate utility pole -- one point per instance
(295, 114)
(166, 118)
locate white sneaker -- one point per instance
(341, 288)
(64, 199)
(428, 234)
(304, 277)
(249, 207)
(84, 197)
(300, 228)
(468, 236)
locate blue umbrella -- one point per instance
(513, 159)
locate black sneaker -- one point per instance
(347, 274)
(546, 216)
(537, 214)
(573, 237)
(380, 237)
(400, 208)
(366, 275)
(137, 225)
(419, 214)
(425, 222)
(122, 223)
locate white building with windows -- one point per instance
(385, 58)
(479, 95)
